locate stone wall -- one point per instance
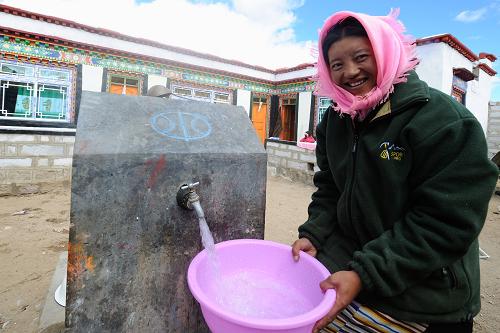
(493, 133)
(289, 161)
(30, 159)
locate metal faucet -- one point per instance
(187, 198)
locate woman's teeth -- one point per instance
(355, 84)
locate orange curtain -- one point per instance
(118, 89)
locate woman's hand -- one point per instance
(347, 285)
(303, 244)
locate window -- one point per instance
(182, 91)
(459, 89)
(34, 92)
(221, 98)
(124, 85)
(323, 105)
(200, 95)
(51, 101)
(16, 69)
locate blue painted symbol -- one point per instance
(181, 125)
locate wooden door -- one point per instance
(259, 116)
(288, 122)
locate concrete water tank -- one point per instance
(130, 242)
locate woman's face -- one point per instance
(352, 65)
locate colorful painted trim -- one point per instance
(50, 52)
(294, 87)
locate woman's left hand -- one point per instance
(347, 285)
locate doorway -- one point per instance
(288, 112)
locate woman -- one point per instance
(403, 187)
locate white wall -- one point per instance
(154, 80)
(49, 29)
(437, 61)
(303, 113)
(431, 69)
(243, 99)
(92, 78)
(306, 72)
(478, 97)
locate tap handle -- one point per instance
(190, 187)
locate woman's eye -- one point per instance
(335, 66)
(361, 57)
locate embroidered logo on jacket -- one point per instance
(389, 151)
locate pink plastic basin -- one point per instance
(272, 261)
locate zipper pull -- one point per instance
(356, 136)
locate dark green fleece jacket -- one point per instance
(401, 200)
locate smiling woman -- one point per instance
(352, 65)
(348, 52)
(388, 216)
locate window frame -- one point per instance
(212, 98)
(322, 108)
(33, 76)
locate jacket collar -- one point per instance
(405, 94)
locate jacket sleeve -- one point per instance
(323, 207)
(452, 181)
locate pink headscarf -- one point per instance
(394, 54)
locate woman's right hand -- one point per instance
(305, 245)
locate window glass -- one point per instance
(16, 99)
(202, 94)
(182, 91)
(259, 99)
(51, 102)
(132, 82)
(117, 79)
(16, 69)
(54, 74)
(220, 97)
(323, 105)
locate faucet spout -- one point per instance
(197, 208)
(187, 198)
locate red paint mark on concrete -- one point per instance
(158, 167)
(78, 261)
(75, 262)
(83, 146)
(89, 264)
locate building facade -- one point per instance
(46, 62)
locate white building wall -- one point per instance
(154, 80)
(430, 68)
(303, 113)
(306, 72)
(243, 99)
(482, 95)
(73, 34)
(91, 78)
(437, 61)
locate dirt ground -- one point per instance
(34, 231)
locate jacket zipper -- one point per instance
(356, 137)
(353, 175)
(448, 271)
